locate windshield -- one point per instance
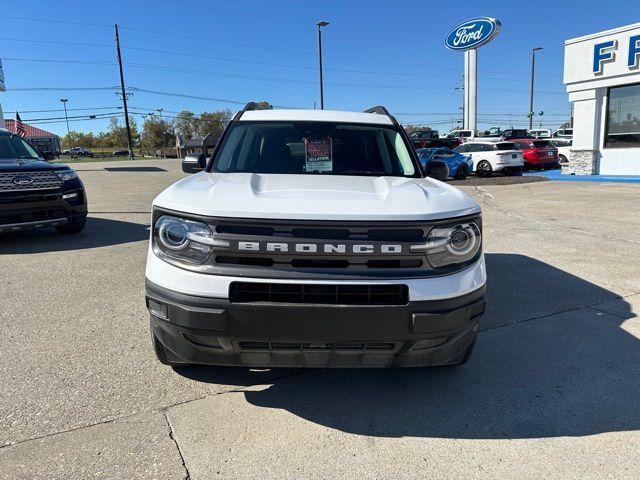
(324, 148)
(12, 146)
(506, 146)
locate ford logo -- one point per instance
(472, 33)
(22, 180)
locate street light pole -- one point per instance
(64, 102)
(533, 71)
(159, 110)
(320, 25)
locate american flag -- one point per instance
(20, 129)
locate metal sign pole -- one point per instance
(465, 107)
(470, 89)
(472, 86)
(2, 89)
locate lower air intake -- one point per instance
(249, 292)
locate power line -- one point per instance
(71, 117)
(252, 62)
(50, 60)
(55, 42)
(59, 89)
(182, 95)
(247, 45)
(48, 20)
(61, 109)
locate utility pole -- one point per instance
(461, 88)
(124, 96)
(320, 25)
(533, 72)
(159, 110)
(64, 102)
(571, 117)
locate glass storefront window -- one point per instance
(623, 117)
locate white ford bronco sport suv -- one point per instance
(312, 238)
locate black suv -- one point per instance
(34, 193)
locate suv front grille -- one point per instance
(324, 246)
(40, 181)
(319, 249)
(254, 292)
(24, 217)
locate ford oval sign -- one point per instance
(22, 180)
(472, 33)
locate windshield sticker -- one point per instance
(318, 154)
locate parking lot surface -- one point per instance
(552, 389)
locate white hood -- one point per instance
(315, 197)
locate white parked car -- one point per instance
(490, 157)
(540, 133)
(564, 146)
(563, 133)
(78, 151)
(462, 134)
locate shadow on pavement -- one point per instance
(134, 169)
(570, 372)
(98, 232)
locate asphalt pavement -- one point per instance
(551, 391)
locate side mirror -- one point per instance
(48, 156)
(438, 169)
(194, 163)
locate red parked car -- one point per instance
(537, 153)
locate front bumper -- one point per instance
(23, 210)
(215, 331)
(508, 169)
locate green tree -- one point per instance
(185, 125)
(78, 139)
(156, 134)
(118, 133)
(212, 122)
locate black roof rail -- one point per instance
(257, 106)
(379, 109)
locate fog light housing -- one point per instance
(158, 309)
(68, 196)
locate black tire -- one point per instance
(71, 228)
(562, 159)
(483, 169)
(462, 172)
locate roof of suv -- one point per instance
(316, 116)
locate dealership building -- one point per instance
(602, 78)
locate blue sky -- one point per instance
(376, 52)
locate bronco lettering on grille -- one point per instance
(329, 248)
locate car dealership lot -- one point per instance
(551, 389)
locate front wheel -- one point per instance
(484, 169)
(462, 172)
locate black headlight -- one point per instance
(66, 175)
(452, 244)
(184, 240)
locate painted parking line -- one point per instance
(557, 175)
